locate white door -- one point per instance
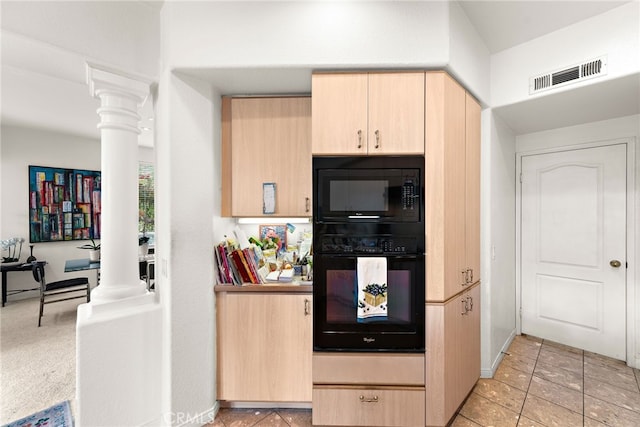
(573, 237)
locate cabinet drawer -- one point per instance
(368, 406)
(356, 368)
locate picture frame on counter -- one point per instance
(279, 230)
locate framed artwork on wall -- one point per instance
(64, 204)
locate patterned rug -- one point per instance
(58, 415)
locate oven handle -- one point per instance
(389, 256)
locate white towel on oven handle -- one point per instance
(372, 288)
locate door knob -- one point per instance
(615, 263)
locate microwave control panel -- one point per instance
(368, 245)
(410, 193)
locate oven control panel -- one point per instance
(369, 245)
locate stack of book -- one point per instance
(237, 266)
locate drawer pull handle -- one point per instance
(373, 399)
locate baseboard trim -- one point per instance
(489, 373)
(265, 405)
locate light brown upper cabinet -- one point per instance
(266, 140)
(368, 113)
(453, 187)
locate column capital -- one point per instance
(121, 96)
(103, 79)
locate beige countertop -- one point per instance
(301, 286)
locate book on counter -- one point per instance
(237, 266)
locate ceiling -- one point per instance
(504, 24)
(501, 24)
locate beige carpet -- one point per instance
(37, 365)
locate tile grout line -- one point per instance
(530, 380)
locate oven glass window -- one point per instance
(359, 195)
(342, 297)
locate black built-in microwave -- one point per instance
(370, 189)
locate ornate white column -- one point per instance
(121, 95)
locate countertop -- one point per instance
(301, 286)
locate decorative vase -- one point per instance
(31, 257)
(94, 255)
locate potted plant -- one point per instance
(94, 254)
(143, 244)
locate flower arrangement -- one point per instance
(8, 244)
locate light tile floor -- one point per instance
(542, 383)
(538, 383)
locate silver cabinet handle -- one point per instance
(377, 132)
(372, 399)
(465, 307)
(465, 281)
(307, 307)
(470, 303)
(307, 204)
(359, 138)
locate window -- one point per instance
(146, 199)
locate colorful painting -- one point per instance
(64, 204)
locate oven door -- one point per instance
(340, 326)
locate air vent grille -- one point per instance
(586, 70)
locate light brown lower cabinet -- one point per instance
(452, 353)
(264, 346)
(368, 406)
(368, 389)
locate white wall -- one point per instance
(615, 33)
(317, 34)
(186, 140)
(122, 34)
(498, 240)
(469, 59)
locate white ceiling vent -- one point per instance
(585, 70)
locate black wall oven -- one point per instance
(368, 261)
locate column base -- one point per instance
(112, 293)
(119, 369)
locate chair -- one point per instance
(55, 289)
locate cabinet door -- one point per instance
(445, 186)
(271, 143)
(472, 199)
(469, 343)
(452, 353)
(339, 105)
(442, 360)
(396, 113)
(264, 347)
